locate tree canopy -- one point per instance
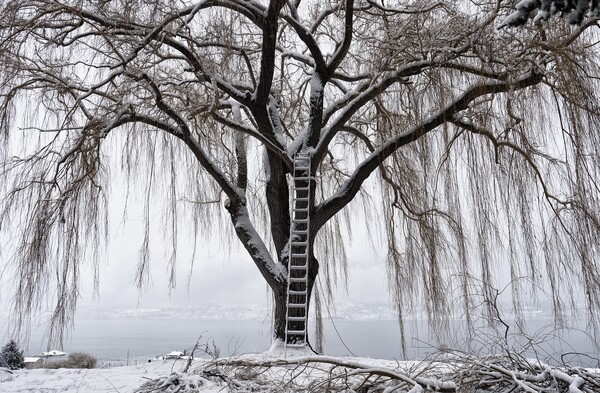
(481, 141)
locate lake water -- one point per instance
(139, 339)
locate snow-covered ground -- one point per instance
(118, 379)
(130, 378)
(273, 371)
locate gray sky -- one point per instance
(217, 277)
(222, 273)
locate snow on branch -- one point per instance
(307, 38)
(416, 10)
(273, 273)
(542, 10)
(253, 133)
(156, 34)
(356, 100)
(269, 43)
(342, 50)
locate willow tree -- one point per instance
(483, 140)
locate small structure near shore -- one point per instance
(174, 355)
(32, 362)
(51, 356)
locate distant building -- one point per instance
(51, 356)
(174, 355)
(33, 362)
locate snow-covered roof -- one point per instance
(31, 359)
(175, 353)
(54, 352)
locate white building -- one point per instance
(51, 356)
(33, 362)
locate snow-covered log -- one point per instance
(447, 372)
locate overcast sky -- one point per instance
(223, 273)
(217, 277)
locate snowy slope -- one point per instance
(119, 379)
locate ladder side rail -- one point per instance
(297, 285)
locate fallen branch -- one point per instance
(455, 372)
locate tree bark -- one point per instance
(277, 197)
(279, 313)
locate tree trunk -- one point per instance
(279, 313)
(280, 302)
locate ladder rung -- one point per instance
(296, 332)
(297, 305)
(292, 292)
(300, 220)
(300, 209)
(297, 243)
(299, 255)
(301, 199)
(299, 232)
(296, 319)
(302, 188)
(298, 279)
(298, 267)
(296, 345)
(303, 178)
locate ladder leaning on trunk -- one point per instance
(297, 289)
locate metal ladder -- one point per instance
(297, 290)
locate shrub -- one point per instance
(75, 360)
(81, 360)
(11, 357)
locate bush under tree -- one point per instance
(11, 357)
